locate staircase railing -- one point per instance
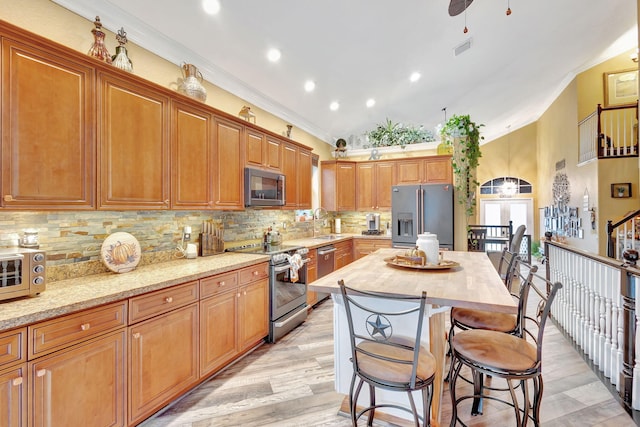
(609, 132)
(495, 238)
(623, 234)
(597, 308)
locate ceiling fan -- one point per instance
(456, 7)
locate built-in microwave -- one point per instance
(22, 272)
(263, 188)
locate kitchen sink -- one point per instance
(328, 237)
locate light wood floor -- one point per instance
(291, 384)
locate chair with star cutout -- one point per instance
(382, 358)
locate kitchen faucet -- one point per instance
(316, 215)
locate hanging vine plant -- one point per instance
(463, 134)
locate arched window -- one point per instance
(506, 186)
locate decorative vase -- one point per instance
(121, 59)
(98, 49)
(445, 149)
(428, 242)
(191, 84)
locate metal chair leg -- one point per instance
(372, 404)
(478, 386)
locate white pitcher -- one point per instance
(428, 242)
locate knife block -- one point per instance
(211, 239)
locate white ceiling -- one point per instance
(360, 49)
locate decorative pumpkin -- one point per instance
(122, 253)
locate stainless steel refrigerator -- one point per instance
(416, 209)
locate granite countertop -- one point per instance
(68, 296)
(319, 241)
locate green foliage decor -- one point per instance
(463, 135)
(390, 133)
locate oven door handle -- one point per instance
(287, 267)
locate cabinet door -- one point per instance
(312, 276)
(48, 140)
(134, 146)
(255, 148)
(290, 170)
(191, 158)
(253, 313)
(304, 179)
(13, 397)
(346, 187)
(410, 171)
(229, 177)
(366, 186)
(438, 170)
(80, 386)
(218, 331)
(163, 360)
(385, 177)
(273, 152)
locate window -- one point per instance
(495, 186)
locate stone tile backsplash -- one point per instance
(73, 239)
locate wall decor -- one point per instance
(621, 190)
(620, 87)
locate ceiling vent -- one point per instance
(465, 45)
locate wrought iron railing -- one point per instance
(495, 238)
(623, 234)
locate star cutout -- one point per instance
(378, 327)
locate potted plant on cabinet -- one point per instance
(463, 135)
(390, 134)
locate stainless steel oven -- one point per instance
(287, 290)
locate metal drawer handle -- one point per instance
(136, 335)
(85, 326)
(222, 283)
(41, 372)
(168, 300)
(255, 273)
(17, 381)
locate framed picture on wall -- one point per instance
(621, 190)
(620, 87)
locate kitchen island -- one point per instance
(473, 284)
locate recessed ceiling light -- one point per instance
(273, 55)
(334, 105)
(371, 102)
(415, 76)
(212, 7)
(309, 85)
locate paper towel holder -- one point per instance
(337, 228)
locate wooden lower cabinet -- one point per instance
(312, 276)
(218, 331)
(13, 396)
(363, 247)
(163, 360)
(80, 386)
(343, 254)
(253, 313)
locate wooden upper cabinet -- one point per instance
(262, 151)
(373, 183)
(338, 185)
(305, 171)
(425, 170)
(228, 165)
(133, 145)
(192, 157)
(48, 142)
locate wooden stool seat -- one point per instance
(478, 319)
(378, 369)
(496, 350)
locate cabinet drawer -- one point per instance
(13, 346)
(54, 334)
(253, 273)
(154, 303)
(215, 284)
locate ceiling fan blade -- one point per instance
(456, 7)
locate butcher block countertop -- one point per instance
(475, 283)
(67, 296)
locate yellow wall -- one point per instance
(54, 22)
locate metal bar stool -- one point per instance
(382, 358)
(507, 356)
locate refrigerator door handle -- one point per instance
(421, 211)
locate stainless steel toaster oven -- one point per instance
(22, 272)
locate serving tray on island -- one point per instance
(401, 261)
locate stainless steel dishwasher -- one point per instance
(326, 265)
